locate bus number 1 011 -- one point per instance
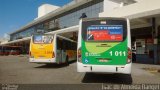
(117, 53)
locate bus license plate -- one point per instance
(103, 60)
(41, 56)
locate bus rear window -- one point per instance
(42, 39)
(105, 33)
(104, 29)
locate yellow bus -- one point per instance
(46, 48)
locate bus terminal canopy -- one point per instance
(16, 41)
(65, 30)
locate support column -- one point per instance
(158, 29)
(155, 37)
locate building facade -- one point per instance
(145, 23)
(63, 20)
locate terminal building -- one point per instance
(144, 18)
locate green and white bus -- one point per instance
(104, 45)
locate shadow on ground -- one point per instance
(107, 78)
(53, 65)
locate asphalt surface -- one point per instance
(17, 70)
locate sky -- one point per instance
(14, 14)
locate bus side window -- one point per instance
(69, 44)
(59, 44)
(74, 47)
(65, 45)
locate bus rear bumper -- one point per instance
(124, 69)
(33, 60)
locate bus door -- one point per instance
(59, 50)
(64, 48)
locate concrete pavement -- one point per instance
(17, 70)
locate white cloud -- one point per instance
(6, 36)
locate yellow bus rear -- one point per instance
(42, 49)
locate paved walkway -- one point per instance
(139, 75)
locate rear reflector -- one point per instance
(79, 55)
(29, 53)
(53, 55)
(129, 55)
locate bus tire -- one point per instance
(129, 78)
(67, 62)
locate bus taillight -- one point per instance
(79, 55)
(53, 55)
(29, 53)
(129, 55)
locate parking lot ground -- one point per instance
(17, 70)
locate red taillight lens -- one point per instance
(129, 55)
(29, 53)
(53, 55)
(79, 55)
